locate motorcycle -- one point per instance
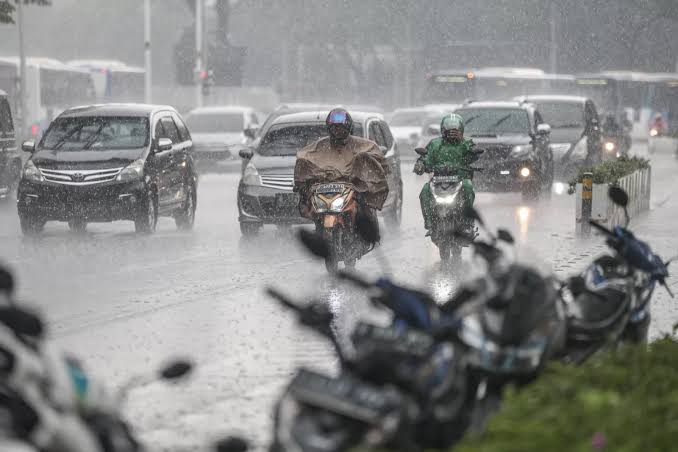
(446, 187)
(336, 207)
(609, 303)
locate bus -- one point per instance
(51, 87)
(114, 81)
(494, 83)
(635, 95)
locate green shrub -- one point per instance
(611, 171)
(623, 401)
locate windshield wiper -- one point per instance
(68, 135)
(502, 119)
(470, 119)
(96, 134)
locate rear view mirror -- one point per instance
(164, 144)
(246, 153)
(176, 369)
(618, 196)
(28, 146)
(314, 243)
(420, 151)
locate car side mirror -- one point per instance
(164, 144)
(543, 129)
(250, 133)
(246, 153)
(28, 146)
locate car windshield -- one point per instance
(409, 118)
(562, 115)
(215, 122)
(287, 139)
(96, 133)
(491, 122)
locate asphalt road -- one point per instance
(125, 303)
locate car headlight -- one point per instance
(338, 204)
(251, 176)
(32, 173)
(525, 171)
(609, 146)
(133, 171)
(520, 151)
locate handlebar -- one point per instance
(355, 279)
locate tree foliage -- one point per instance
(7, 9)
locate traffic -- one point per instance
(215, 265)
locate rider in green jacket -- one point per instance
(449, 150)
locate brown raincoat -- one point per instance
(359, 162)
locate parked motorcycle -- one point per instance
(448, 199)
(336, 207)
(609, 303)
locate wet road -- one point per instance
(124, 302)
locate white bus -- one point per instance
(51, 87)
(114, 81)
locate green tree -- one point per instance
(7, 9)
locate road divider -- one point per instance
(590, 187)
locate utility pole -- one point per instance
(408, 63)
(148, 86)
(22, 68)
(553, 54)
(198, 52)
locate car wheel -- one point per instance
(79, 226)
(147, 215)
(394, 217)
(185, 218)
(249, 230)
(31, 226)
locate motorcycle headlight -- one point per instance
(446, 199)
(609, 146)
(520, 151)
(320, 204)
(251, 176)
(338, 204)
(32, 173)
(654, 132)
(133, 171)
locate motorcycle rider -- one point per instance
(342, 157)
(451, 149)
(658, 124)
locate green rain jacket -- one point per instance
(440, 153)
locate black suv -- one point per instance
(10, 161)
(516, 142)
(110, 162)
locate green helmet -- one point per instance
(450, 122)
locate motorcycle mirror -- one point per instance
(577, 285)
(314, 243)
(505, 236)
(176, 369)
(367, 228)
(22, 322)
(420, 151)
(6, 282)
(473, 214)
(618, 196)
(231, 444)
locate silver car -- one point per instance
(265, 191)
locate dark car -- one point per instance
(516, 142)
(576, 136)
(110, 162)
(10, 160)
(265, 192)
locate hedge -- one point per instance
(609, 172)
(623, 401)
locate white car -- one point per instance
(218, 131)
(407, 123)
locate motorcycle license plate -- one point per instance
(343, 395)
(409, 342)
(287, 200)
(330, 188)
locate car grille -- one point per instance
(279, 181)
(495, 152)
(80, 177)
